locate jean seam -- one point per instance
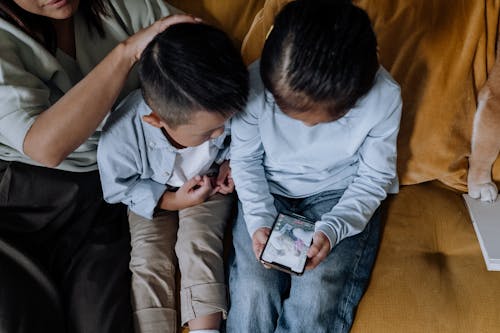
(353, 276)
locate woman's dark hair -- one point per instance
(192, 67)
(319, 52)
(39, 27)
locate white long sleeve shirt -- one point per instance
(274, 153)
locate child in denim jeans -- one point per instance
(318, 138)
(156, 155)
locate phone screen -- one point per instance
(290, 238)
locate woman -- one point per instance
(63, 65)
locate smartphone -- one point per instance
(287, 245)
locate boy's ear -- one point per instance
(154, 120)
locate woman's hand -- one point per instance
(318, 251)
(136, 43)
(60, 129)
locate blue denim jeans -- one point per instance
(321, 300)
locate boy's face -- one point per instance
(202, 126)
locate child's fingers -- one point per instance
(257, 250)
(201, 191)
(205, 185)
(318, 250)
(230, 184)
(313, 251)
(312, 257)
(259, 240)
(221, 178)
(266, 266)
(215, 190)
(227, 186)
(225, 189)
(319, 254)
(195, 181)
(207, 182)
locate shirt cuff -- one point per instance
(328, 231)
(147, 200)
(254, 225)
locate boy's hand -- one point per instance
(193, 192)
(224, 183)
(259, 239)
(318, 251)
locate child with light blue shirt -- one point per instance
(157, 154)
(318, 138)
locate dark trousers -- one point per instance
(64, 253)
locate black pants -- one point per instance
(64, 253)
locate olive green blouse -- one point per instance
(32, 79)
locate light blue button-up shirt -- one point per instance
(273, 153)
(136, 160)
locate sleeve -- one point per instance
(376, 174)
(139, 14)
(23, 96)
(247, 168)
(120, 169)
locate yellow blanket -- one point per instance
(439, 51)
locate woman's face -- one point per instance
(55, 9)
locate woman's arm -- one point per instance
(72, 119)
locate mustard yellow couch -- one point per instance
(429, 275)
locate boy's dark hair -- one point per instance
(192, 67)
(319, 53)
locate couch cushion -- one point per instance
(430, 275)
(439, 52)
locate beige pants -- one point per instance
(194, 237)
